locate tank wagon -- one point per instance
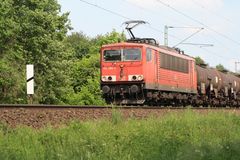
(217, 88)
(139, 71)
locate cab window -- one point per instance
(149, 54)
(131, 54)
(112, 55)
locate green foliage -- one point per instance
(80, 43)
(186, 136)
(32, 32)
(109, 38)
(11, 56)
(11, 86)
(90, 94)
(199, 61)
(85, 69)
(66, 68)
(221, 68)
(86, 82)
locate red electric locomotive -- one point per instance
(136, 72)
(140, 71)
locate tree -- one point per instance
(112, 37)
(11, 57)
(86, 71)
(221, 68)
(32, 32)
(80, 44)
(199, 61)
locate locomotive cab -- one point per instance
(122, 72)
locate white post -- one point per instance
(30, 82)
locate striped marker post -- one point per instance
(30, 82)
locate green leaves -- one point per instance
(199, 61)
(112, 37)
(86, 66)
(32, 32)
(80, 44)
(221, 68)
(86, 82)
(66, 67)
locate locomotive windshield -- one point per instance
(132, 54)
(112, 55)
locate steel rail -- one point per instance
(47, 106)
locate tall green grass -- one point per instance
(183, 136)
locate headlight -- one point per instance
(135, 77)
(140, 77)
(104, 78)
(109, 78)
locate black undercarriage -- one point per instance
(137, 94)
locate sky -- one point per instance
(219, 18)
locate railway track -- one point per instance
(38, 116)
(47, 106)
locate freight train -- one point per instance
(139, 71)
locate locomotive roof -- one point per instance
(161, 48)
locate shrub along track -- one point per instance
(38, 116)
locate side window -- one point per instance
(149, 54)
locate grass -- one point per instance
(175, 136)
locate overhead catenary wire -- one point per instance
(199, 22)
(199, 44)
(188, 37)
(220, 17)
(149, 26)
(185, 26)
(212, 12)
(120, 15)
(226, 48)
(107, 10)
(125, 17)
(151, 11)
(222, 44)
(219, 56)
(154, 12)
